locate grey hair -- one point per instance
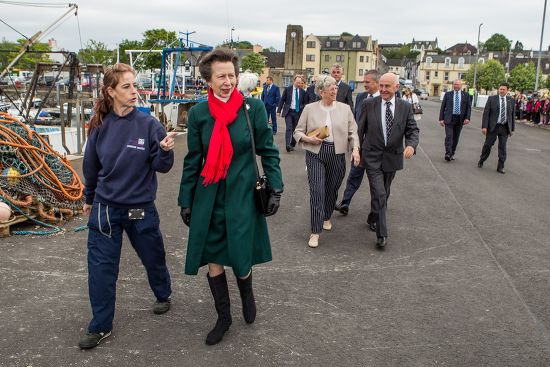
(374, 74)
(247, 82)
(336, 66)
(323, 82)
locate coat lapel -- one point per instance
(377, 116)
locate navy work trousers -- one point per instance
(272, 115)
(106, 225)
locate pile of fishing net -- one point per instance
(35, 180)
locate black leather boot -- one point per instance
(247, 296)
(218, 286)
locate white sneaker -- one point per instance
(313, 240)
(327, 226)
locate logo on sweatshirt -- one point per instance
(136, 143)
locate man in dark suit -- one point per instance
(355, 177)
(311, 96)
(290, 107)
(271, 96)
(384, 122)
(498, 121)
(454, 113)
(344, 90)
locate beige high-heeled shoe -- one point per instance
(327, 225)
(313, 240)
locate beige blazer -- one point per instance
(344, 127)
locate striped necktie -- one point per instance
(502, 118)
(456, 110)
(389, 120)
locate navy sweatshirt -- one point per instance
(121, 160)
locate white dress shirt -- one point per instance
(293, 102)
(499, 112)
(383, 116)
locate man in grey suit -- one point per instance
(498, 121)
(454, 113)
(384, 123)
(344, 90)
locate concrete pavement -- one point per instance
(463, 281)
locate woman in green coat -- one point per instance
(216, 191)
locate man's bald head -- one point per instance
(388, 85)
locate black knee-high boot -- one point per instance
(247, 297)
(218, 286)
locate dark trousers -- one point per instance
(291, 120)
(106, 225)
(452, 134)
(272, 115)
(325, 173)
(355, 178)
(500, 131)
(380, 184)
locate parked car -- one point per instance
(46, 80)
(423, 94)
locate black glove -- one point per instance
(273, 202)
(185, 214)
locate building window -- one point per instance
(310, 57)
(460, 62)
(460, 75)
(287, 80)
(447, 62)
(360, 72)
(341, 44)
(356, 45)
(361, 58)
(446, 76)
(310, 44)
(366, 59)
(436, 74)
(327, 44)
(547, 66)
(428, 61)
(327, 57)
(339, 58)
(427, 75)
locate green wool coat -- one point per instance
(224, 214)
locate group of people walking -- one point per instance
(126, 148)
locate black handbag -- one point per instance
(262, 190)
(417, 109)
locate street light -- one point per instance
(540, 48)
(475, 66)
(231, 41)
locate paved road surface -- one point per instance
(463, 281)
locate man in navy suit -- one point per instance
(454, 113)
(355, 177)
(498, 121)
(271, 96)
(290, 107)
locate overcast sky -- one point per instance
(387, 21)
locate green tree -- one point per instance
(546, 82)
(489, 75)
(522, 77)
(497, 42)
(346, 34)
(130, 45)
(95, 52)
(253, 62)
(29, 60)
(518, 47)
(157, 39)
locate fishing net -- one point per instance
(35, 179)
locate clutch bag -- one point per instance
(322, 131)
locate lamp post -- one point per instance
(475, 66)
(540, 48)
(231, 41)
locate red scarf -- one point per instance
(220, 150)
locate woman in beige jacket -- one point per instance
(325, 155)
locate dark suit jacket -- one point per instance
(310, 95)
(286, 100)
(492, 112)
(358, 104)
(344, 94)
(446, 111)
(374, 154)
(272, 98)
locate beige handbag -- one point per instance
(322, 131)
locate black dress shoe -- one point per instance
(480, 164)
(447, 157)
(342, 208)
(372, 225)
(381, 242)
(453, 157)
(501, 170)
(288, 149)
(292, 148)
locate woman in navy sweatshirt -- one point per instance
(124, 151)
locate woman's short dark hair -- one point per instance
(220, 54)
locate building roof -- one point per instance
(462, 49)
(348, 41)
(468, 59)
(274, 59)
(425, 44)
(515, 61)
(390, 45)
